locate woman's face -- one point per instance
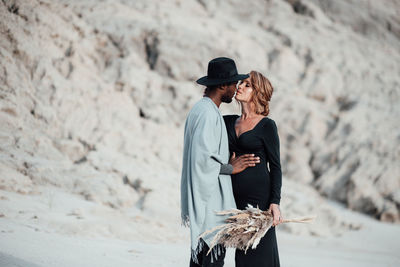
(244, 91)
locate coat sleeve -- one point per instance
(205, 159)
(271, 146)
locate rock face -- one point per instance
(93, 95)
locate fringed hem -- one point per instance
(185, 221)
(216, 251)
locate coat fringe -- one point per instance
(216, 251)
(185, 221)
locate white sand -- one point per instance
(21, 244)
(26, 241)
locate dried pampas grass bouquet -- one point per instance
(245, 228)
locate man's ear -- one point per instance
(223, 87)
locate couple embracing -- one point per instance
(229, 162)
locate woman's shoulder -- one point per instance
(269, 124)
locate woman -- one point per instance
(253, 132)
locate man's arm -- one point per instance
(204, 155)
(239, 164)
(226, 169)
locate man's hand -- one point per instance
(241, 163)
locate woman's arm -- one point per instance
(271, 146)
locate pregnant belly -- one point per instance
(252, 186)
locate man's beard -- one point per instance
(226, 98)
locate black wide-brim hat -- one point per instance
(221, 70)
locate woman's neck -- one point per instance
(248, 110)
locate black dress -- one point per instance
(258, 186)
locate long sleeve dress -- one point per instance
(259, 185)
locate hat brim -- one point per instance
(209, 82)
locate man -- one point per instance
(206, 183)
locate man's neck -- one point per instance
(215, 98)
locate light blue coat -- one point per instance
(203, 189)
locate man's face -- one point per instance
(229, 93)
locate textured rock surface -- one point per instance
(93, 97)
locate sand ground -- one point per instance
(25, 243)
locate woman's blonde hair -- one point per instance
(262, 92)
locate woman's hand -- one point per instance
(276, 212)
